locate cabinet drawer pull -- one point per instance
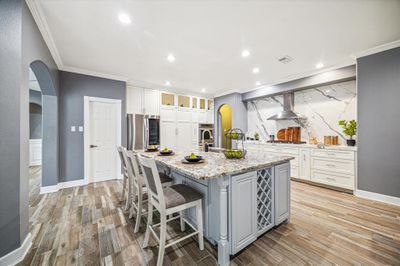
(331, 178)
(330, 165)
(329, 153)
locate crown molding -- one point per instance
(92, 73)
(226, 93)
(344, 63)
(41, 22)
(377, 49)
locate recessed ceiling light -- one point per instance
(124, 18)
(256, 70)
(203, 90)
(171, 58)
(167, 83)
(245, 53)
(258, 83)
(319, 65)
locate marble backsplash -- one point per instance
(323, 107)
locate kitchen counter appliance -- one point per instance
(142, 131)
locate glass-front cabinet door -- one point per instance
(183, 101)
(202, 104)
(195, 104)
(167, 99)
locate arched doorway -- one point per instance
(43, 93)
(224, 124)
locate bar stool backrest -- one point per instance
(121, 156)
(134, 168)
(152, 179)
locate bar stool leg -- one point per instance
(182, 221)
(123, 187)
(128, 196)
(139, 212)
(133, 198)
(149, 222)
(163, 232)
(199, 218)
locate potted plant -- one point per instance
(349, 129)
(257, 136)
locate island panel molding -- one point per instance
(322, 106)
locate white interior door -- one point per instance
(103, 140)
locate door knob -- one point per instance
(93, 146)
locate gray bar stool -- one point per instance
(169, 200)
(138, 186)
(125, 177)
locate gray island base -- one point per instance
(243, 198)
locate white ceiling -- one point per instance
(207, 38)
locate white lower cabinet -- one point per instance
(244, 210)
(326, 166)
(168, 134)
(259, 201)
(184, 135)
(282, 193)
(304, 162)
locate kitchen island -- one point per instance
(243, 198)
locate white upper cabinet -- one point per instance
(134, 100)
(142, 101)
(151, 102)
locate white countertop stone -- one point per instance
(306, 145)
(216, 164)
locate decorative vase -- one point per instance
(351, 142)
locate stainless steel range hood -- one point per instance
(288, 112)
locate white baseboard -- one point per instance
(55, 188)
(16, 256)
(378, 197)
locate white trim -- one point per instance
(41, 22)
(344, 63)
(377, 197)
(91, 73)
(377, 49)
(17, 255)
(86, 133)
(62, 185)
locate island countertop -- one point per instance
(216, 165)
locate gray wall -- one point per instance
(21, 43)
(378, 81)
(35, 114)
(239, 112)
(73, 88)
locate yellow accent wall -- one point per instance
(225, 112)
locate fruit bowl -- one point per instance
(192, 159)
(234, 154)
(152, 148)
(166, 152)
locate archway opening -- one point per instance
(224, 124)
(35, 138)
(43, 133)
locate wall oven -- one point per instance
(206, 134)
(142, 131)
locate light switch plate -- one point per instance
(73, 128)
(80, 129)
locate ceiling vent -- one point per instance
(286, 59)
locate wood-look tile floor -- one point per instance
(86, 226)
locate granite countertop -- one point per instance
(216, 164)
(305, 145)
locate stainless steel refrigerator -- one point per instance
(143, 131)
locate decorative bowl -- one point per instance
(234, 154)
(193, 160)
